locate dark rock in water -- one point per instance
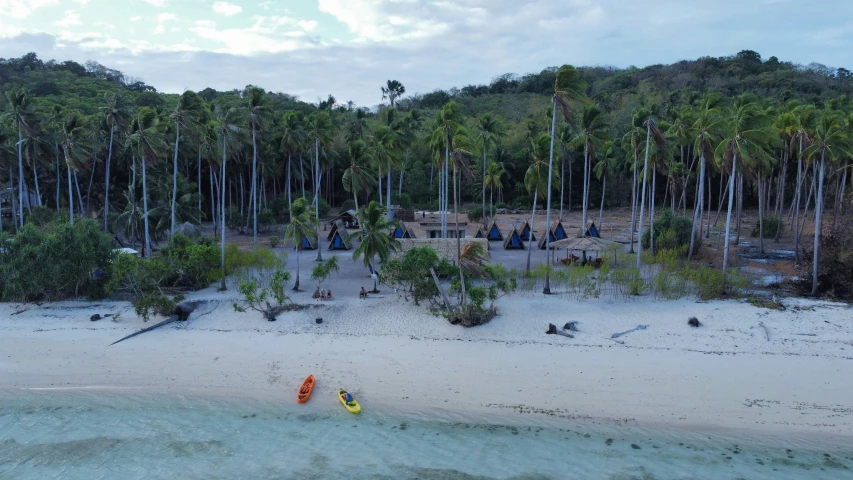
(573, 326)
(552, 329)
(635, 446)
(608, 442)
(95, 317)
(319, 321)
(694, 322)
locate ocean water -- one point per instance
(99, 435)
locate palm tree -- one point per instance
(320, 130)
(303, 225)
(804, 118)
(490, 132)
(447, 121)
(634, 137)
(375, 241)
(149, 144)
(225, 126)
(744, 135)
(22, 116)
(73, 147)
(830, 142)
(536, 180)
(569, 86)
(116, 114)
(590, 135)
(256, 112)
(406, 137)
(292, 141)
(606, 167)
(385, 148)
(651, 130)
(392, 91)
(188, 106)
(706, 129)
(493, 179)
(356, 177)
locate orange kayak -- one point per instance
(306, 389)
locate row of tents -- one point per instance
(516, 237)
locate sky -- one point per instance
(349, 48)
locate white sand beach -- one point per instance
(392, 354)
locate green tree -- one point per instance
(706, 129)
(225, 127)
(23, 118)
(375, 241)
(303, 225)
(189, 105)
(356, 177)
(392, 91)
(536, 179)
(256, 116)
(149, 144)
(320, 130)
(292, 141)
(605, 168)
(74, 148)
(490, 133)
(744, 135)
(830, 142)
(493, 179)
(116, 114)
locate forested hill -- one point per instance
(519, 104)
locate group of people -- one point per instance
(323, 294)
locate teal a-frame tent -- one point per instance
(494, 233)
(514, 241)
(527, 233)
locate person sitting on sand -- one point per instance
(328, 294)
(363, 293)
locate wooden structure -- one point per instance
(514, 241)
(340, 240)
(527, 233)
(557, 233)
(404, 214)
(348, 219)
(494, 233)
(480, 233)
(454, 230)
(560, 231)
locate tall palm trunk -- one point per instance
(532, 226)
(601, 209)
(634, 201)
(586, 173)
(175, 175)
(696, 212)
(562, 184)
(643, 197)
(58, 175)
(36, 180)
(483, 208)
(652, 212)
(222, 212)
(458, 237)
(20, 176)
(302, 174)
(145, 210)
(729, 214)
(739, 207)
(547, 289)
(797, 196)
(70, 192)
(388, 213)
(817, 220)
(760, 216)
(289, 181)
(254, 188)
(317, 193)
(133, 202)
(198, 179)
(79, 195)
(107, 183)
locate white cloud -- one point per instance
(162, 20)
(135, 19)
(226, 8)
(20, 9)
(156, 3)
(81, 2)
(266, 35)
(70, 19)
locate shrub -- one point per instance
(671, 232)
(279, 209)
(475, 214)
(835, 262)
(274, 242)
(500, 205)
(263, 288)
(266, 217)
(411, 273)
(403, 200)
(193, 265)
(772, 224)
(711, 283)
(324, 208)
(55, 261)
(41, 216)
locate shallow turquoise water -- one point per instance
(87, 435)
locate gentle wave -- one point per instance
(85, 434)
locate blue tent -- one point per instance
(339, 242)
(308, 244)
(527, 234)
(591, 230)
(401, 232)
(495, 234)
(559, 231)
(514, 241)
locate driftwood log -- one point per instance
(552, 330)
(766, 331)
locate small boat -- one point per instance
(306, 389)
(352, 406)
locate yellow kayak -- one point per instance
(352, 406)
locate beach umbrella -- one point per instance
(582, 243)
